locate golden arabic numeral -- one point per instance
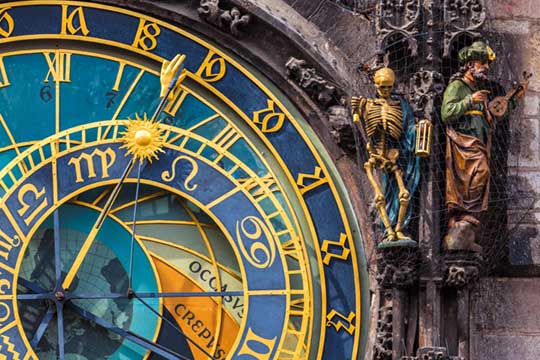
(4, 81)
(69, 23)
(6, 23)
(146, 36)
(213, 68)
(31, 189)
(263, 348)
(106, 160)
(59, 64)
(260, 255)
(269, 120)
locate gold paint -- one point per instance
(169, 176)
(9, 347)
(328, 256)
(272, 121)
(256, 248)
(146, 36)
(4, 81)
(208, 72)
(121, 66)
(7, 243)
(319, 179)
(59, 66)
(107, 159)
(6, 23)
(68, 21)
(31, 189)
(263, 343)
(349, 327)
(4, 314)
(143, 139)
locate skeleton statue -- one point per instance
(390, 128)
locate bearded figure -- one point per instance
(469, 130)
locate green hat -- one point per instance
(479, 50)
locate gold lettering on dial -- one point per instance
(119, 74)
(73, 22)
(37, 195)
(4, 81)
(7, 346)
(269, 120)
(59, 64)
(106, 160)
(7, 243)
(6, 23)
(146, 36)
(307, 182)
(264, 346)
(213, 68)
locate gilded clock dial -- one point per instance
(216, 230)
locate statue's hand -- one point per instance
(480, 96)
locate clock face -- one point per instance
(235, 242)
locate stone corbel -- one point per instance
(229, 20)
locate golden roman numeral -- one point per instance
(297, 307)
(4, 81)
(6, 23)
(259, 188)
(264, 346)
(69, 24)
(213, 68)
(116, 86)
(59, 66)
(176, 99)
(226, 137)
(146, 35)
(290, 248)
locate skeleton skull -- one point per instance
(384, 82)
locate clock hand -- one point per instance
(57, 261)
(95, 229)
(42, 327)
(169, 78)
(150, 295)
(139, 340)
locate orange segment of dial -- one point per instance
(196, 316)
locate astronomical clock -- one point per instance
(155, 206)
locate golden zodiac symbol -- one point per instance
(168, 176)
(260, 255)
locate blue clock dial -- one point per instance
(237, 242)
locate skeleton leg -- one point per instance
(380, 202)
(404, 198)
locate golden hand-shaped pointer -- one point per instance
(170, 78)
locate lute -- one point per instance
(499, 105)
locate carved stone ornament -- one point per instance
(462, 268)
(341, 128)
(383, 341)
(462, 17)
(397, 267)
(230, 20)
(311, 82)
(398, 17)
(431, 353)
(426, 86)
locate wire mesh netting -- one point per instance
(510, 202)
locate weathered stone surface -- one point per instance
(505, 322)
(510, 9)
(524, 147)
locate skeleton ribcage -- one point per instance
(383, 119)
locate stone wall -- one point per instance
(505, 323)
(518, 24)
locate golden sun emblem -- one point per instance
(143, 138)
